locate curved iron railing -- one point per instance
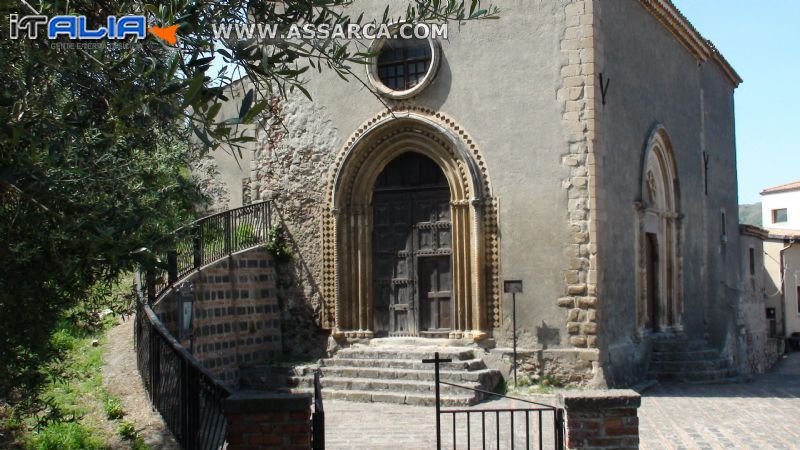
(190, 398)
(208, 240)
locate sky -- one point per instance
(760, 39)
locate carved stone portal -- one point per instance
(455, 302)
(659, 294)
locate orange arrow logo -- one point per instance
(166, 33)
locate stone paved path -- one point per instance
(762, 414)
(381, 426)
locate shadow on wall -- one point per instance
(548, 336)
(300, 302)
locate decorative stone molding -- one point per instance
(658, 214)
(347, 238)
(380, 88)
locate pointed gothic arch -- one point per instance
(659, 288)
(348, 285)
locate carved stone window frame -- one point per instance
(375, 80)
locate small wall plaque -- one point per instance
(512, 286)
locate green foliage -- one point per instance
(531, 384)
(551, 381)
(58, 414)
(127, 430)
(278, 246)
(65, 436)
(113, 408)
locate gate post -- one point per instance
(602, 419)
(259, 420)
(436, 360)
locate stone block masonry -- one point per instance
(577, 96)
(602, 419)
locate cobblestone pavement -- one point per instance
(762, 414)
(381, 426)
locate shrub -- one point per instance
(127, 430)
(113, 408)
(65, 436)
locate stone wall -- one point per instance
(567, 366)
(756, 351)
(291, 162)
(577, 96)
(236, 317)
(658, 80)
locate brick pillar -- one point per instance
(602, 419)
(263, 420)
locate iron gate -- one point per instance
(523, 428)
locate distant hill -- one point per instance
(750, 214)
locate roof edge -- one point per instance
(787, 187)
(753, 230)
(676, 23)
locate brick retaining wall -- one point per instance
(236, 317)
(602, 419)
(259, 420)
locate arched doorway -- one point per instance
(444, 261)
(412, 234)
(659, 290)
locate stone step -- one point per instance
(419, 342)
(483, 376)
(407, 353)
(697, 355)
(680, 346)
(487, 377)
(688, 366)
(467, 364)
(703, 376)
(369, 384)
(399, 398)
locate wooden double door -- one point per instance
(412, 271)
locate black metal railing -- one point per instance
(208, 240)
(318, 417)
(188, 397)
(515, 427)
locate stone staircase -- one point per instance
(388, 371)
(683, 360)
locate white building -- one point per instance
(780, 207)
(781, 218)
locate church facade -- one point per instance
(583, 147)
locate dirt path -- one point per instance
(122, 380)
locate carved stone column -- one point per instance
(477, 316)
